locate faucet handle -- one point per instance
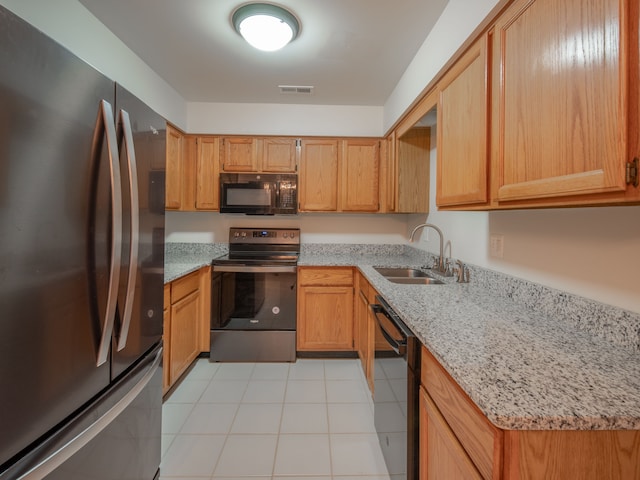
(448, 268)
(462, 272)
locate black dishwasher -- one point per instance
(396, 388)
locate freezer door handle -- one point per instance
(66, 451)
(105, 126)
(130, 153)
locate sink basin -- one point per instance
(411, 276)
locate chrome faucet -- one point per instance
(441, 265)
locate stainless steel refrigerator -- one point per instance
(81, 267)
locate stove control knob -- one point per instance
(244, 234)
(285, 234)
(293, 234)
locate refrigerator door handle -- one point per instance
(105, 125)
(66, 451)
(135, 228)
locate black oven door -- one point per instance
(253, 297)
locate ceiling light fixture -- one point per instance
(265, 26)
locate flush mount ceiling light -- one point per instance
(265, 26)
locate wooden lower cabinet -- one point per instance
(445, 457)
(364, 326)
(325, 309)
(458, 442)
(186, 323)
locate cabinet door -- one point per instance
(174, 170)
(360, 165)
(325, 320)
(441, 455)
(239, 154)
(279, 155)
(560, 99)
(208, 173)
(184, 334)
(319, 175)
(463, 157)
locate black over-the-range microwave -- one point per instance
(259, 193)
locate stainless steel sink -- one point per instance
(411, 276)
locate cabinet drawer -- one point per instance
(325, 276)
(182, 287)
(481, 440)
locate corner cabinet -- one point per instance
(340, 175)
(325, 309)
(565, 102)
(463, 130)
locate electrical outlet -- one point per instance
(496, 246)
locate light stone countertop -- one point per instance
(529, 357)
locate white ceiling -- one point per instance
(352, 51)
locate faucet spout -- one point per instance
(441, 265)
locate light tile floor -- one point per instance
(308, 420)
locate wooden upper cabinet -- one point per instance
(279, 154)
(174, 169)
(259, 154)
(560, 99)
(360, 166)
(318, 178)
(463, 112)
(180, 171)
(207, 173)
(239, 154)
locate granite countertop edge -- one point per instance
(524, 370)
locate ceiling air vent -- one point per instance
(295, 90)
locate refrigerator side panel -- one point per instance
(148, 130)
(54, 235)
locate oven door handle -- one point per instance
(255, 268)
